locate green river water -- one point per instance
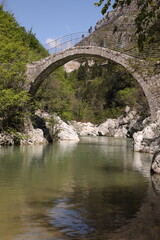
(94, 189)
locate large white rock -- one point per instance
(34, 136)
(6, 139)
(147, 140)
(108, 127)
(121, 132)
(128, 117)
(85, 129)
(65, 131)
(71, 66)
(58, 128)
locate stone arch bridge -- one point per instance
(147, 73)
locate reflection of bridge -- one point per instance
(147, 73)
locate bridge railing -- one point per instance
(65, 42)
(70, 40)
(147, 53)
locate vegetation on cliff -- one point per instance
(146, 20)
(17, 48)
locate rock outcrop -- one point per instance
(6, 139)
(47, 128)
(58, 129)
(34, 136)
(85, 129)
(108, 128)
(116, 29)
(71, 66)
(65, 131)
(148, 140)
(123, 126)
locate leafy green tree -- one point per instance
(17, 48)
(82, 73)
(13, 109)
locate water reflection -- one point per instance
(155, 178)
(94, 189)
(142, 162)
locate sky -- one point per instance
(51, 19)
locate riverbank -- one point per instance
(44, 128)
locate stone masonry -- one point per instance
(147, 73)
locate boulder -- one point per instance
(124, 126)
(135, 126)
(34, 136)
(39, 122)
(148, 140)
(121, 132)
(85, 129)
(6, 139)
(71, 66)
(65, 131)
(108, 128)
(129, 117)
(58, 129)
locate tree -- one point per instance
(13, 109)
(149, 14)
(82, 72)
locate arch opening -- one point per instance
(41, 69)
(92, 93)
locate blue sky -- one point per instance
(54, 18)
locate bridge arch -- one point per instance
(38, 71)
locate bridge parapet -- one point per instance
(86, 39)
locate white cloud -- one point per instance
(60, 44)
(52, 43)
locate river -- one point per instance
(95, 189)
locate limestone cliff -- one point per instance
(117, 31)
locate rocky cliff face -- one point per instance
(115, 30)
(71, 66)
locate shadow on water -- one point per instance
(95, 189)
